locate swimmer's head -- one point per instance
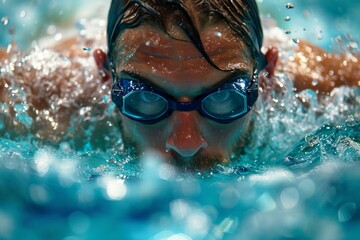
(190, 15)
(185, 76)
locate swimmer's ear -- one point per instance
(272, 56)
(101, 60)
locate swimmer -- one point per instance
(185, 75)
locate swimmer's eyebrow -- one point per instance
(136, 77)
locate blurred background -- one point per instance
(322, 22)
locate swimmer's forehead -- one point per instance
(227, 50)
(176, 66)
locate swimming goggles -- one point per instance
(142, 102)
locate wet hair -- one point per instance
(241, 15)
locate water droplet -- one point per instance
(5, 21)
(289, 6)
(314, 82)
(58, 37)
(287, 32)
(86, 49)
(23, 14)
(289, 159)
(102, 73)
(338, 39)
(296, 40)
(311, 139)
(353, 45)
(287, 18)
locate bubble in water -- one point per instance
(289, 6)
(5, 21)
(296, 40)
(287, 18)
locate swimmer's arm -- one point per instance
(313, 68)
(40, 98)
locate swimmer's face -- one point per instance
(175, 67)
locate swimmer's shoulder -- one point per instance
(307, 63)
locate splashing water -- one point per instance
(72, 177)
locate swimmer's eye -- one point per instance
(225, 104)
(144, 104)
(149, 97)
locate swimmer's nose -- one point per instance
(185, 137)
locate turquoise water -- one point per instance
(299, 180)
